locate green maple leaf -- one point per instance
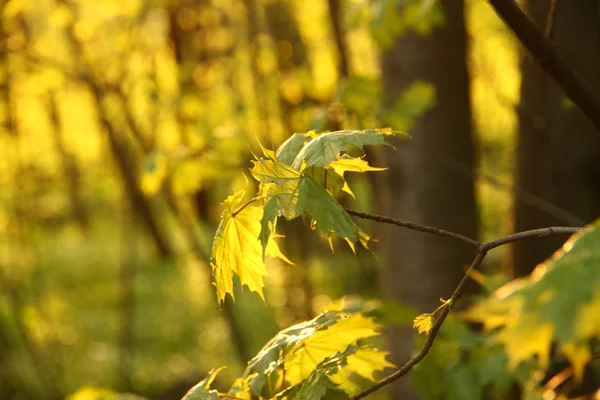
(363, 361)
(299, 194)
(237, 249)
(299, 349)
(342, 371)
(287, 152)
(559, 302)
(326, 148)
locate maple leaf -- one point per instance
(287, 152)
(298, 194)
(364, 362)
(423, 323)
(559, 302)
(352, 164)
(237, 249)
(299, 349)
(326, 148)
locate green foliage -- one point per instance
(391, 18)
(303, 183)
(418, 98)
(558, 303)
(308, 360)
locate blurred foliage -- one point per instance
(124, 123)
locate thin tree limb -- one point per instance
(482, 250)
(549, 59)
(416, 227)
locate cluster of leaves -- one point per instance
(559, 303)
(301, 179)
(308, 360)
(529, 324)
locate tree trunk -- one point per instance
(558, 150)
(422, 268)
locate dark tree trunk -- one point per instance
(558, 150)
(422, 268)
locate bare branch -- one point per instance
(482, 249)
(549, 59)
(416, 227)
(430, 338)
(552, 231)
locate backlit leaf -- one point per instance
(298, 194)
(237, 249)
(423, 323)
(299, 349)
(287, 152)
(558, 303)
(326, 148)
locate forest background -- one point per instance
(125, 123)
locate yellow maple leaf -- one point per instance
(301, 359)
(525, 339)
(364, 362)
(579, 355)
(423, 323)
(352, 164)
(237, 250)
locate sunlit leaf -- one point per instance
(390, 20)
(287, 152)
(281, 181)
(299, 349)
(298, 194)
(414, 101)
(237, 249)
(326, 148)
(352, 164)
(423, 323)
(559, 302)
(303, 357)
(361, 94)
(240, 388)
(364, 362)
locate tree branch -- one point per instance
(549, 59)
(482, 249)
(413, 226)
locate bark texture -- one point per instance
(421, 268)
(558, 148)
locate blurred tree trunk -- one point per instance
(422, 268)
(70, 169)
(558, 149)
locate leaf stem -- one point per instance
(246, 204)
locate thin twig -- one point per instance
(413, 226)
(482, 249)
(551, 231)
(550, 19)
(403, 370)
